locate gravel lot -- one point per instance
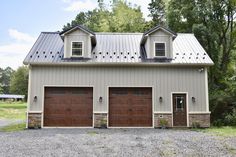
(114, 142)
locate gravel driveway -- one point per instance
(114, 142)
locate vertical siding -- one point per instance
(164, 80)
(159, 36)
(77, 36)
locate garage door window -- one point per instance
(79, 92)
(120, 92)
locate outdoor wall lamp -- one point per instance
(201, 70)
(35, 98)
(160, 99)
(193, 99)
(100, 99)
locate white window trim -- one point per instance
(154, 48)
(71, 54)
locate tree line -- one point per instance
(211, 21)
(14, 81)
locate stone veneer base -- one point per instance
(203, 119)
(100, 120)
(159, 116)
(34, 120)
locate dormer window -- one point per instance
(77, 48)
(160, 49)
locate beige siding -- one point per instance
(77, 36)
(164, 80)
(159, 36)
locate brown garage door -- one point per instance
(68, 106)
(130, 107)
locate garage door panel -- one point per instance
(130, 107)
(57, 120)
(68, 106)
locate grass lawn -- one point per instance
(14, 110)
(13, 127)
(226, 131)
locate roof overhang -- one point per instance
(77, 27)
(154, 29)
(82, 28)
(121, 64)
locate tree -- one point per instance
(125, 18)
(157, 12)
(5, 75)
(19, 81)
(1, 90)
(122, 17)
(213, 23)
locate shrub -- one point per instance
(195, 125)
(163, 122)
(230, 119)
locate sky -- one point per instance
(23, 20)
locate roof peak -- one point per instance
(51, 32)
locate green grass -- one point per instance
(13, 127)
(14, 110)
(226, 131)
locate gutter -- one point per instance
(119, 64)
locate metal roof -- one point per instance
(11, 96)
(116, 48)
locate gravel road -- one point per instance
(114, 142)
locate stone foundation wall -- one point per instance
(34, 120)
(100, 120)
(165, 116)
(199, 119)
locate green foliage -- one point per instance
(15, 110)
(157, 10)
(163, 122)
(221, 131)
(212, 22)
(14, 127)
(122, 17)
(5, 75)
(19, 81)
(195, 125)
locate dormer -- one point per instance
(78, 42)
(158, 43)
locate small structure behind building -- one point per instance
(11, 97)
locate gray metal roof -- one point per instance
(11, 96)
(116, 48)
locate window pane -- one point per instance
(160, 49)
(76, 45)
(179, 103)
(77, 52)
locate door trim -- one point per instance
(130, 87)
(187, 112)
(43, 97)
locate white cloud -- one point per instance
(80, 5)
(12, 54)
(15, 34)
